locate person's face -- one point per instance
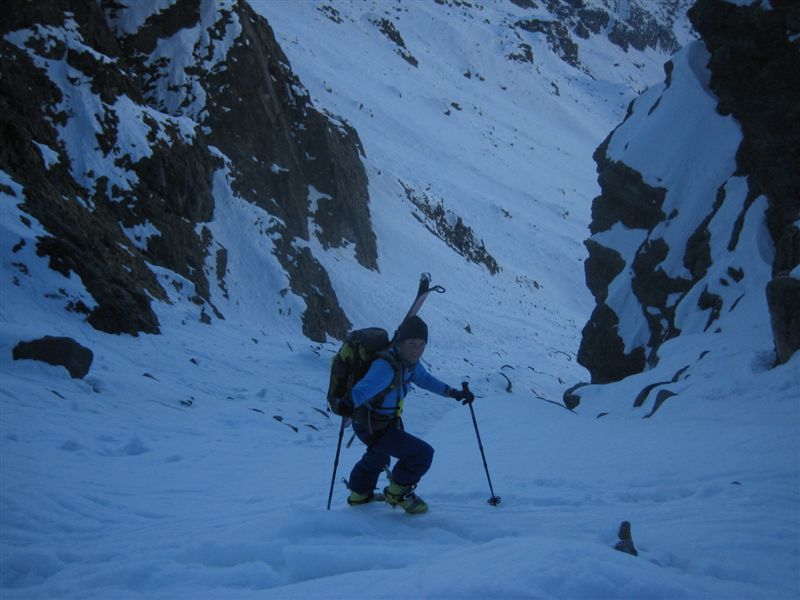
(411, 350)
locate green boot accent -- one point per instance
(403, 495)
(355, 498)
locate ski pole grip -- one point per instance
(465, 386)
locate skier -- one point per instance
(379, 425)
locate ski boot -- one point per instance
(404, 496)
(356, 499)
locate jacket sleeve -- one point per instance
(378, 378)
(425, 380)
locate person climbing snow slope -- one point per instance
(377, 407)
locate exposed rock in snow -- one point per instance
(783, 296)
(754, 63)
(451, 228)
(684, 228)
(636, 25)
(141, 107)
(60, 351)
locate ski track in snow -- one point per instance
(196, 464)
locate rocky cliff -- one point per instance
(639, 25)
(148, 116)
(755, 67)
(700, 191)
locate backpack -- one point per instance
(358, 351)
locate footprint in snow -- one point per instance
(134, 447)
(70, 446)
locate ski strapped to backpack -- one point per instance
(422, 293)
(358, 351)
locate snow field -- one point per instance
(135, 493)
(196, 464)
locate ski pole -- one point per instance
(336, 460)
(494, 500)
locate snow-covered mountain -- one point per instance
(696, 201)
(157, 117)
(200, 196)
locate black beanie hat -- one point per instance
(413, 327)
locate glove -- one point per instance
(464, 395)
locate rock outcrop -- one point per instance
(142, 113)
(755, 61)
(676, 242)
(450, 228)
(58, 351)
(783, 297)
(636, 25)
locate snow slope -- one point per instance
(114, 488)
(196, 464)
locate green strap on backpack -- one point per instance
(358, 351)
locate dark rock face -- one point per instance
(459, 236)
(783, 297)
(601, 267)
(390, 31)
(58, 351)
(641, 30)
(82, 240)
(755, 59)
(524, 54)
(754, 68)
(753, 72)
(297, 147)
(602, 350)
(626, 198)
(142, 191)
(558, 38)
(640, 27)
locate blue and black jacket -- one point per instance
(392, 383)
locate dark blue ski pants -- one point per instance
(414, 458)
